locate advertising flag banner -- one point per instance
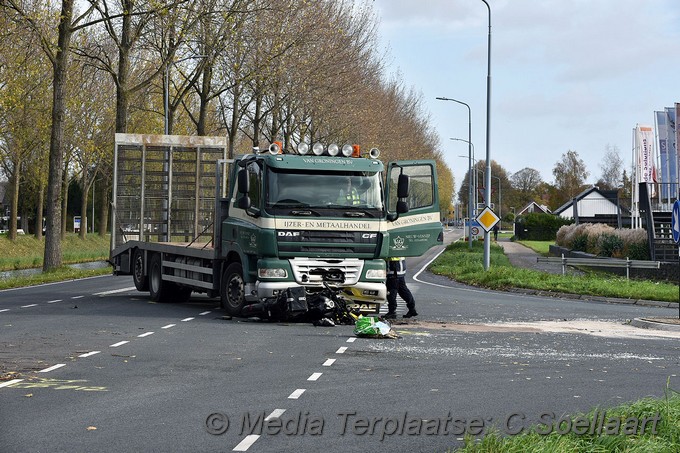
(644, 148)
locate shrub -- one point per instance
(603, 240)
(538, 227)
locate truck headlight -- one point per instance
(272, 273)
(376, 274)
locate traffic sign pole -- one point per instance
(675, 229)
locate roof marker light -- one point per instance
(302, 148)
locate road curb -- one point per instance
(654, 324)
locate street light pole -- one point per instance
(470, 154)
(472, 186)
(487, 238)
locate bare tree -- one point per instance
(612, 169)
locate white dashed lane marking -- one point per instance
(52, 368)
(296, 394)
(276, 413)
(145, 334)
(168, 326)
(8, 383)
(29, 306)
(314, 376)
(77, 297)
(4, 309)
(186, 319)
(120, 343)
(88, 354)
(204, 313)
(245, 444)
(329, 362)
(114, 291)
(341, 350)
(53, 301)
(351, 340)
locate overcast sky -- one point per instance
(566, 74)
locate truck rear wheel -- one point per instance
(138, 277)
(157, 287)
(232, 289)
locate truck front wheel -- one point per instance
(232, 289)
(141, 281)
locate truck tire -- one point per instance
(232, 289)
(157, 287)
(140, 279)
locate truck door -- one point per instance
(413, 232)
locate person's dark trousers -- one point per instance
(397, 285)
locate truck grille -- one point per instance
(319, 243)
(308, 271)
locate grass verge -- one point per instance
(27, 252)
(58, 275)
(465, 266)
(621, 431)
(542, 247)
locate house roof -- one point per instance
(534, 207)
(610, 195)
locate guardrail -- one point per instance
(600, 262)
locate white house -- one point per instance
(591, 203)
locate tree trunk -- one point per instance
(64, 203)
(39, 212)
(53, 256)
(84, 222)
(14, 212)
(104, 208)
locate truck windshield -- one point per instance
(318, 189)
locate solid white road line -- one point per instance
(145, 334)
(341, 350)
(88, 354)
(329, 362)
(314, 376)
(120, 343)
(53, 367)
(245, 444)
(8, 383)
(114, 291)
(168, 326)
(296, 394)
(276, 413)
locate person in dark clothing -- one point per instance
(495, 232)
(396, 284)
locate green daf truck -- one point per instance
(186, 219)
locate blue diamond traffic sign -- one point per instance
(675, 222)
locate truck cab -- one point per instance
(300, 219)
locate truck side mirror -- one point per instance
(402, 207)
(402, 186)
(243, 182)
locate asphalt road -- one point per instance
(95, 366)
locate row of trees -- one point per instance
(73, 73)
(570, 175)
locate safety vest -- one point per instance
(396, 265)
(350, 198)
